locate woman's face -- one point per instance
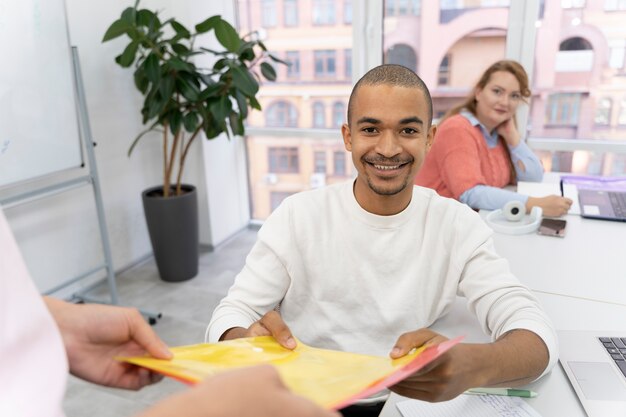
(498, 100)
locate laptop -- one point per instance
(595, 363)
(603, 205)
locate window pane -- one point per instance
(269, 13)
(339, 162)
(579, 97)
(451, 52)
(319, 48)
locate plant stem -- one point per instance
(170, 166)
(184, 155)
(166, 178)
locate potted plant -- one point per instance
(183, 101)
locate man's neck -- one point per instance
(381, 205)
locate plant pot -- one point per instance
(173, 228)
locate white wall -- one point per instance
(59, 235)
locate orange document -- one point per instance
(330, 378)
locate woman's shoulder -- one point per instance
(455, 121)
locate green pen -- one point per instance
(511, 392)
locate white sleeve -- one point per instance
(499, 301)
(262, 283)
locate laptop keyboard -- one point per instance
(618, 201)
(616, 346)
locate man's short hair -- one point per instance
(392, 74)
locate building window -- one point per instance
(290, 11)
(347, 55)
(616, 56)
(603, 112)
(320, 162)
(293, 59)
(324, 63)
(563, 109)
(281, 114)
(277, 197)
(621, 118)
(339, 111)
(319, 118)
(444, 71)
(575, 44)
(323, 12)
(347, 12)
(572, 4)
(268, 13)
(402, 7)
(283, 160)
(575, 55)
(611, 5)
(339, 163)
(402, 55)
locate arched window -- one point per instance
(281, 114)
(603, 112)
(319, 118)
(339, 111)
(575, 44)
(621, 118)
(444, 71)
(402, 54)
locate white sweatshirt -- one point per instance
(350, 280)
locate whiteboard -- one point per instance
(39, 126)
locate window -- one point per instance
(319, 118)
(323, 12)
(339, 111)
(293, 59)
(339, 163)
(281, 114)
(268, 11)
(575, 44)
(575, 55)
(572, 4)
(324, 63)
(319, 162)
(402, 7)
(603, 112)
(618, 50)
(347, 12)
(290, 10)
(563, 108)
(402, 54)
(347, 55)
(621, 118)
(277, 197)
(283, 160)
(614, 4)
(444, 71)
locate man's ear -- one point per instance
(430, 138)
(347, 137)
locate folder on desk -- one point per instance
(332, 379)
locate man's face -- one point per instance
(388, 136)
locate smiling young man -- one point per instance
(367, 266)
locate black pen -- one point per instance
(561, 187)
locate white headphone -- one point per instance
(512, 219)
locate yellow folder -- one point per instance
(330, 378)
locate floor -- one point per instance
(186, 309)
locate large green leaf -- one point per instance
(129, 15)
(212, 90)
(236, 124)
(243, 80)
(148, 19)
(254, 103)
(221, 108)
(187, 89)
(128, 56)
(175, 119)
(180, 65)
(190, 121)
(141, 81)
(152, 68)
(117, 28)
(180, 49)
(166, 86)
(227, 35)
(268, 71)
(180, 29)
(241, 103)
(207, 24)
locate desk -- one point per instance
(556, 396)
(589, 262)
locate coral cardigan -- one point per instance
(460, 159)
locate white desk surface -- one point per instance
(556, 396)
(589, 262)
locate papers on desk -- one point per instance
(469, 406)
(543, 189)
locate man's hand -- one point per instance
(271, 324)
(516, 358)
(94, 334)
(249, 392)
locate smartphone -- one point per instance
(552, 227)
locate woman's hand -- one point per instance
(552, 205)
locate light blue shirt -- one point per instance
(491, 198)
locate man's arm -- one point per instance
(94, 335)
(516, 358)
